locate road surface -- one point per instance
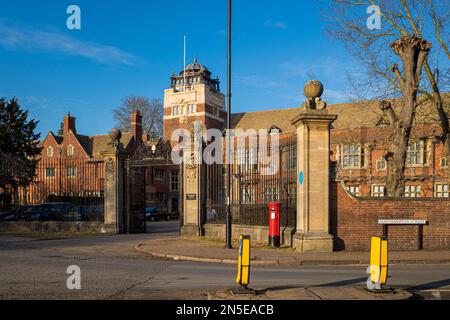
(111, 269)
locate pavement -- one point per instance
(213, 251)
(312, 293)
(111, 269)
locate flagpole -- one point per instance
(229, 193)
(184, 65)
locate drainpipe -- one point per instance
(433, 147)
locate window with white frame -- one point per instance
(247, 159)
(253, 158)
(442, 190)
(352, 156)
(417, 153)
(381, 164)
(174, 180)
(246, 195)
(444, 163)
(378, 190)
(412, 191)
(292, 154)
(50, 172)
(240, 154)
(192, 108)
(70, 150)
(72, 172)
(50, 152)
(176, 110)
(271, 194)
(353, 190)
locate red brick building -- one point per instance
(72, 165)
(357, 141)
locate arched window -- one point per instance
(50, 152)
(381, 164)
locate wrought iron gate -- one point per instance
(139, 175)
(135, 207)
(251, 191)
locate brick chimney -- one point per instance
(69, 124)
(136, 125)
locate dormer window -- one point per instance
(354, 190)
(274, 130)
(382, 123)
(70, 150)
(50, 152)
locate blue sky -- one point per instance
(131, 47)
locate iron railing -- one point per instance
(252, 187)
(68, 189)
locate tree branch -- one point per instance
(388, 112)
(399, 77)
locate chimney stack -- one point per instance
(69, 124)
(136, 125)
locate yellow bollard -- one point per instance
(243, 276)
(378, 262)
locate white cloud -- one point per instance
(275, 24)
(25, 39)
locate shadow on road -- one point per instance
(163, 227)
(431, 285)
(343, 282)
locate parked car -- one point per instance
(33, 213)
(60, 211)
(14, 214)
(155, 208)
(8, 216)
(92, 213)
(158, 212)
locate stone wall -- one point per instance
(355, 220)
(56, 226)
(257, 233)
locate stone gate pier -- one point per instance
(313, 171)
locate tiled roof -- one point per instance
(350, 116)
(94, 145)
(100, 143)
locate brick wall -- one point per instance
(355, 220)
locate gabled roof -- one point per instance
(57, 139)
(93, 145)
(99, 143)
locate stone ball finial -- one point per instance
(313, 89)
(115, 134)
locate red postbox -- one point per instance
(274, 224)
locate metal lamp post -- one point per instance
(229, 216)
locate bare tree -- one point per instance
(152, 114)
(394, 57)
